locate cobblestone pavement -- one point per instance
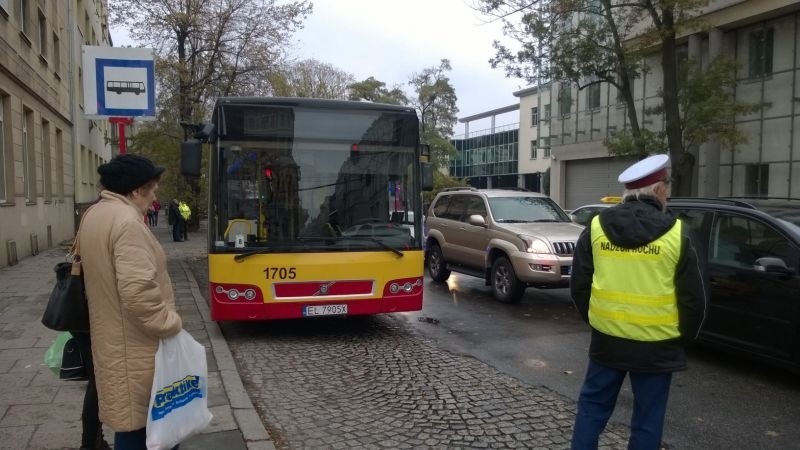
(373, 383)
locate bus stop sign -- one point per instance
(118, 82)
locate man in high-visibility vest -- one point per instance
(186, 214)
(638, 281)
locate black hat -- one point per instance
(126, 173)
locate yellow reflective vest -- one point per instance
(184, 210)
(633, 290)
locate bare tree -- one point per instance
(209, 48)
(314, 79)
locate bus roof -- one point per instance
(312, 103)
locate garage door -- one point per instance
(587, 180)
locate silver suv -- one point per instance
(512, 239)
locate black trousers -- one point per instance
(90, 416)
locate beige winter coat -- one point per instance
(131, 306)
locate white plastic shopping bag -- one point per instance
(179, 398)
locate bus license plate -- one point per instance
(324, 310)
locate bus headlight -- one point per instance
(235, 292)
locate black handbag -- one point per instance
(68, 309)
(73, 367)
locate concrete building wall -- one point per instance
(39, 123)
(532, 132)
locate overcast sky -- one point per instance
(391, 40)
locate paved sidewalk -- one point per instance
(39, 411)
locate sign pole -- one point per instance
(121, 122)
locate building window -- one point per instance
(28, 164)
(56, 54)
(22, 16)
(546, 112)
(533, 149)
(544, 144)
(3, 198)
(534, 116)
(760, 58)
(42, 34)
(756, 180)
(593, 96)
(60, 164)
(564, 99)
(47, 165)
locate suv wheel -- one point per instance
(437, 267)
(506, 287)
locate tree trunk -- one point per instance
(682, 161)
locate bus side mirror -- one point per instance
(191, 158)
(425, 150)
(427, 177)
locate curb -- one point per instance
(244, 413)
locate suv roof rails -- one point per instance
(721, 201)
(515, 188)
(753, 197)
(459, 188)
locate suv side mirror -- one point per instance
(476, 220)
(772, 265)
(427, 177)
(191, 158)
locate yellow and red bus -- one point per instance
(314, 208)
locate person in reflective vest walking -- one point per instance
(186, 214)
(638, 281)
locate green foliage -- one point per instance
(435, 101)
(708, 110)
(375, 91)
(624, 143)
(160, 141)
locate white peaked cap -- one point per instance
(645, 172)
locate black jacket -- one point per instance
(631, 225)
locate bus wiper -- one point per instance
(354, 238)
(241, 256)
(377, 241)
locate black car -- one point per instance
(752, 247)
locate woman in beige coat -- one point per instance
(131, 304)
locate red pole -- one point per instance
(121, 122)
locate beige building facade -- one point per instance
(764, 39)
(48, 151)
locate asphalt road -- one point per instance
(721, 402)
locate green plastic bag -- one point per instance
(53, 355)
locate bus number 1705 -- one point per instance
(280, 273)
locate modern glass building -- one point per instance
(488, 159)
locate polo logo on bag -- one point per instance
(176, 395)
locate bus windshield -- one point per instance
(289, 179)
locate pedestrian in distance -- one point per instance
(150, 213)
(175, 220)
(185, 214)
(638, 281)
(156, 208)
(131, 302)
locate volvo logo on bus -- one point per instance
(324, 287)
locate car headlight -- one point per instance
(534, 245)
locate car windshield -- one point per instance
(522, 209)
